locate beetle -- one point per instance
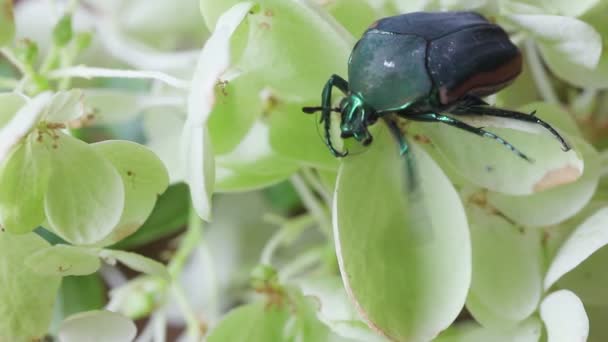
(420, 65)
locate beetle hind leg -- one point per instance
(448, 120)
(509, 114)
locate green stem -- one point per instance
(10, 56)
(539, 74)
(316, 184)
(190, 241)
(289, 229)
(311, 203)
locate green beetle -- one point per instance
(419, 65)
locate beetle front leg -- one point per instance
(341, 84)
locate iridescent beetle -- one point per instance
(422, 64)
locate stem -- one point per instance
(311, 203)
(302, 262)
(539, 74)
(8, 54)
(90, 72)
(286, 232)
(188, 244)
(313, 180)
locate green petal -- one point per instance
(144, 177)
(64, 260)
(528, 331)
(487, 163)
(65, 106)
(506, 287)
(85, 196)
(253, 164)
(252, 323)
(573, 40)
(587, 238)
(7, 22)
(24, 178)
(556, 204)
(22, 123)
(383, 249)
(104, 325)
(27, 297)
(9, 106)
(564, 316)
(163, 133)
(198, 165)
(113, 106)
(136, 262)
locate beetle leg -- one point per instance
(448, 120)
(503, 113)
(341, 84)
(404, 151)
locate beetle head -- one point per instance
(356, 116)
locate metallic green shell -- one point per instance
(389, 70)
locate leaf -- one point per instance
(385, 250)
(587, 238)
(104, 325)
(589, 279)
(564, 316)
(85, 196)
(144, 178)
(252, 323)
(27, 297)
(573, 40)
(506, 286)
(81, 293)
(22, 123)
(528, 331)
(64, 260)
(24, 178)
(137, 262)
(557, 204)
(7, 22)
(170, 214)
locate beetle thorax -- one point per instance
(356, 116)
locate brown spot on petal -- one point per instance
(553, 178)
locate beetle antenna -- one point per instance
(312, 110)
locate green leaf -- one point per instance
(169, 215)
(506, 286)
(144, 177)
(7, 22)
(589, 279)
(387, 250)
(22, 123)
(528, 331)
(24, 178)
(136, 262)
(590, 236)
(564, 316)
(82, 293)
(556, 204)
(27, 297)
(573, 40)
(104, 325)
(85, 196)
(256, 322)
(64, 260)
